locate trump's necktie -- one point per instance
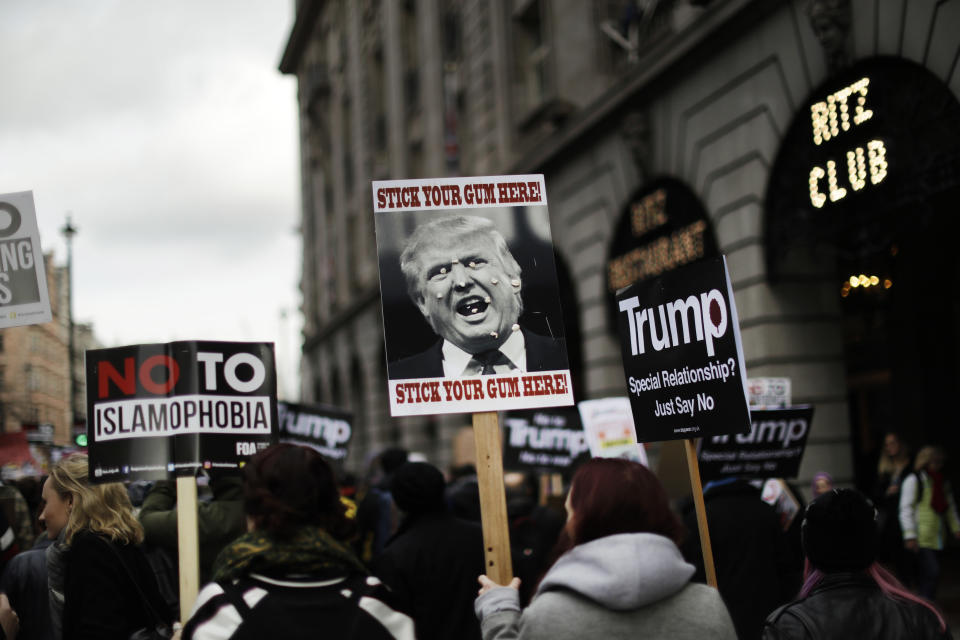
(486, 361)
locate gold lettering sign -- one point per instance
(829, 119)
(649, 213)
(666, 253)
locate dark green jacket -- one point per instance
(220, 520)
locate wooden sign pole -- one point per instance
(544, 489)
(493, 499)
(188, 544)
(697, 489)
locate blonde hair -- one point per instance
(926, 455)
(893, 465)
(100, 508)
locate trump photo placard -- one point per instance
(471, 312)
(682, 355)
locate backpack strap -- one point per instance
(234, 595)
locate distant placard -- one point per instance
(608, 423)
(547, 439)
(328, 430)
(682, 356)
(768, 393)
(773, 448)
(778, 495)
(167, 410)
(23, 281)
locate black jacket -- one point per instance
(25, 583)
(749, 553)
(256, 607)
(100, 600)
(543, 354)
(432, 564)
(845, 606)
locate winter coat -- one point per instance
(849, 605)
(750, 552)
(305, 586)
(629, 585)
(219, 521)
(918, 519)
(25, 583)
(100, 601)
(432, 564)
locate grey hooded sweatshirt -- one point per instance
(629, 585)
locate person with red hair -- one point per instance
(618, 571)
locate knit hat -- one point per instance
(839, 531)
(417, 487)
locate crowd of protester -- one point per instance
(295, 546)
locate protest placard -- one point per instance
(471, 314)
(544, 440)
(469, 287)
(23, 280)
(164, 410)
(682, 355)
(168, 410)
(768, 393)
(683, 363)
(773, 448)
(778, 495)
(327, 430)
(608, 424)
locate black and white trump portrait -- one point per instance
(469, 292)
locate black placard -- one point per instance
(325, 429)
(164, 410)
(682, 357)
(773, 448)
(551, 439)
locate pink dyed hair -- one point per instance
(887, 582)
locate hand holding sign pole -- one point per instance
(493, 500)
(683, 362)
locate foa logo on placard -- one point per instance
(708, 314)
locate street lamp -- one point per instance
(68, 231)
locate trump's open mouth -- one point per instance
(472, 306)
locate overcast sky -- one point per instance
(167, 132)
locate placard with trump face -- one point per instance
(471, 315)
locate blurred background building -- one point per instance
(815, 144)
(37, 412)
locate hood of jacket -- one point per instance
(621, 572)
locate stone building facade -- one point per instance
(611, 99)
(34, 369)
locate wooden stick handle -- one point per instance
(188, 544)
(697, 489)
(493, 500)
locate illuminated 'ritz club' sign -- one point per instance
(832, 117)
